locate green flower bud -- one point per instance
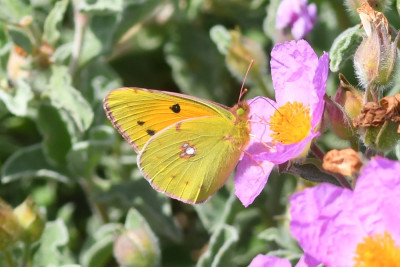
(349, 97)
(241, 51)
(137, 248)
(30, 219)
(9, 228)
(376, 56)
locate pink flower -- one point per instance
(339, 227)
(296, 15)
(283, 130)
(269, 261)
(272, 261)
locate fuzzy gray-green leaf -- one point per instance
(344, 47)
(51, 26)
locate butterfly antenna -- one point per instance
(242, 89)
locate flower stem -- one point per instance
(317, 151)
(97, 209)
(26, 256)
(81, 21)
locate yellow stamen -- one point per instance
(377, 251)
(291, 123)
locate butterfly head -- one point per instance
(241, 112)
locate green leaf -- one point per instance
(57, 140)
(221, 37)
(66, 98)
(54, 238)
(13, 11)
(99, 79)
(92, 47)
(5, 48)
(101, 6)
(220, 251)
(281, 237)
(51, 32)
(134, 220)
(21, 38)
(17, 103)
(397, 150)
(270, 20)
(344, 47)
(84, 156)
(103, 28)
(31, 162)
(197, 66)
(98, 248)
(398, 6)
(135, 13)
(216, 210)
(152, 205)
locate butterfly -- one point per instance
(187, 146)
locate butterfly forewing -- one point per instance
(139, 114)
(192, 159)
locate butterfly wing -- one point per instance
(138, 114)
(192, 159)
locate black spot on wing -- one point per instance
(140, 123)
(150, 132)
(175, 108)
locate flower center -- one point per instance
(378, 250)
(290, 123)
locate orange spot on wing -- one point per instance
(178, 126)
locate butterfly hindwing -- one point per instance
(138, 114)
(192, 159)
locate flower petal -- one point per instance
(319, 83)
(251, 176)
(307, 261)
(269, 261)
(293, 66)
(282, 153)
(284, 14)
(376, 197)
(322, 218)
(261, 109)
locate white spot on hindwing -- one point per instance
(190, 151)
(187, 151)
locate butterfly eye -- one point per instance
(240, 111)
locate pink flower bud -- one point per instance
(136, 248)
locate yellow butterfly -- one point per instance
(187, 147)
